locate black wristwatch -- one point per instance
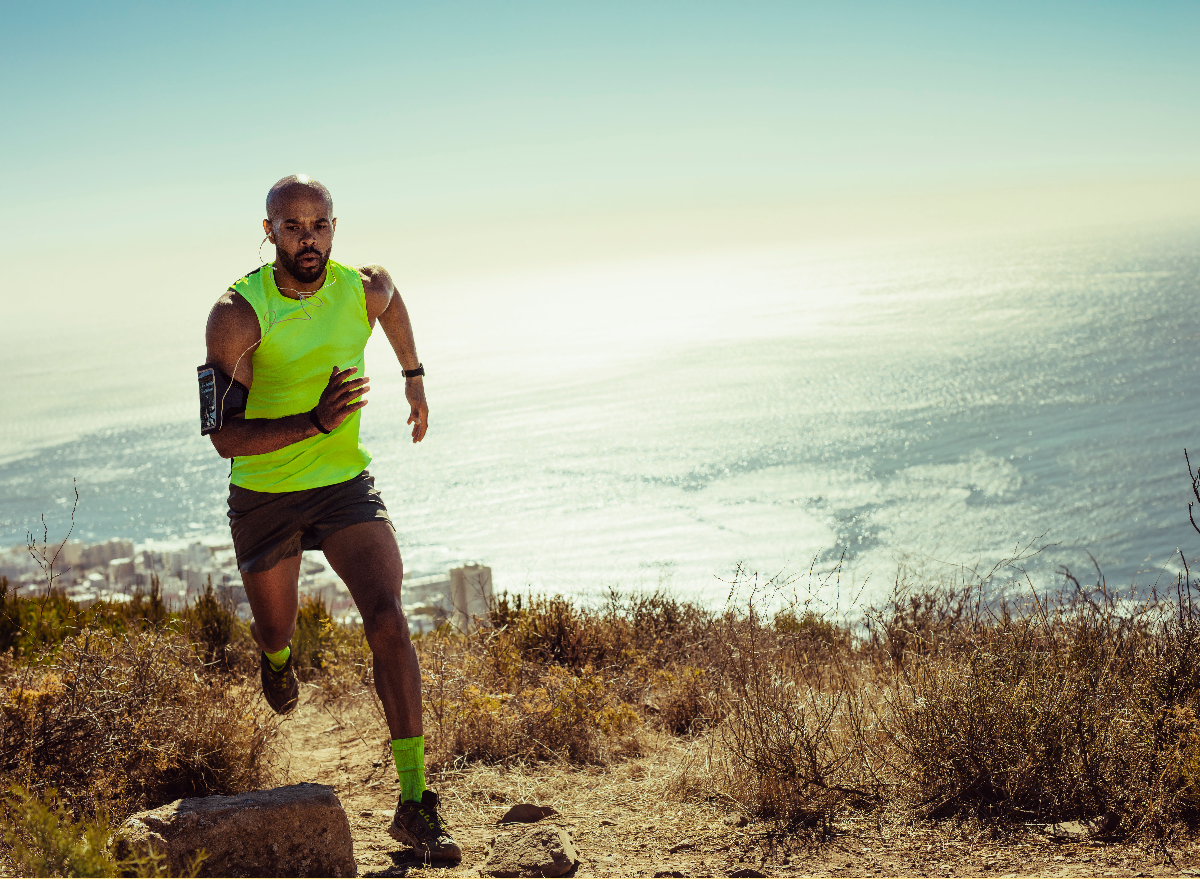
(316, 422)
(413, 373)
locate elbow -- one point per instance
(221, 444)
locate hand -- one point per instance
(414, 390)
(335, 404)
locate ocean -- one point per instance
(670, 422)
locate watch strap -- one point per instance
(316, 422)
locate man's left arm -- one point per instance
(385, 306)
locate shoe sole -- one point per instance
(398, 833)
(287, 706)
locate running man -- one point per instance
(281, 395)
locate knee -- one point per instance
(385, 625)
(273, 636)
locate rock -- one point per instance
(527, 813)
(736, 820)
(298, 830)
(532, 851)
(669, 874)
(1077, 830)
(748, 872)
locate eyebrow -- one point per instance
(294, 220)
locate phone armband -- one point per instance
(221, 397)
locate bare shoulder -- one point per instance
(378, 289)
(232, 325)
(375, 278)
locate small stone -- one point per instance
(669, 874)
(736, 820)
(747, 872)
(531, 851)
(298, 830)
(527, 813)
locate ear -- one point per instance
(334, 224)
(269, 231)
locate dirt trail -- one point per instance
(623, 824)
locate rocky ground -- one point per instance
(624, 822)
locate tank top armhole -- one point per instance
(251, 288)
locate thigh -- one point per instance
(366, 557)
(274, 594)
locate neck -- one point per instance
(290, 287)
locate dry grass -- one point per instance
(946, 701)
(1077, 706)
(121, 722)
(939, 703)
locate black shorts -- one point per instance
(269, 527)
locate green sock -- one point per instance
(279, 660)
(410, 767)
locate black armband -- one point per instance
(221, 397)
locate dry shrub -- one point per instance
(334, 658)
(123, 722)
(656, 628)
(211, 624)
(791, 744)
(312, 643)
(683, 699)
(1081, 707)
(488, 703)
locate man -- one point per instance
(281, 396)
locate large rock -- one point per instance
(536, 851)
(299, 830)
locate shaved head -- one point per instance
(289, 188)
(300, 223)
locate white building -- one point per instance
(470, 597)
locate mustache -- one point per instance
(307, 251)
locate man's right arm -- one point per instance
(231, 337)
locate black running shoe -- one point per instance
(418, 825)
(280, 687)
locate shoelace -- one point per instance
(431, 823)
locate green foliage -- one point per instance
(32, 627)
(313, 642)
(44, 840)
(10, 626)
(809, 626)
(147, 608)
(213, 627)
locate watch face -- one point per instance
(208, 399)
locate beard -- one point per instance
(299, 272)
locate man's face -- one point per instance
(302, 233)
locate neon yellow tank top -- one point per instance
(301, 343)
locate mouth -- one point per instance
(309, 260)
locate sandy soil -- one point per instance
(624, 822)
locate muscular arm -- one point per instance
(385, 305)
(231, 337)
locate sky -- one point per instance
(176, 117)
(484, 140)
